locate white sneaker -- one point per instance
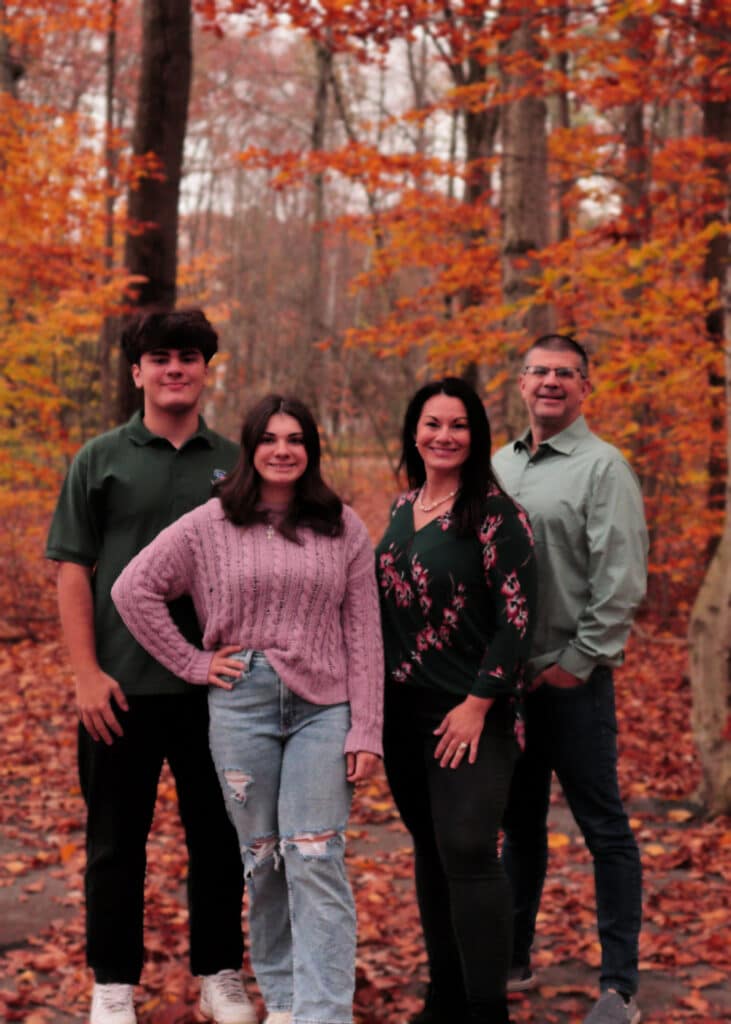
(223, 999)
(112, 1004)
(279, 1017)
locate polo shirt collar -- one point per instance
(139, 434)
(564, 442)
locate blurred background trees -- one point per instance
(362, 194)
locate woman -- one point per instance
(456, 576)
(281, 576)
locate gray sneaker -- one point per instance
(521, 979)
(610, 1008)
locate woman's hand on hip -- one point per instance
(360, 765)
(223, 665)
(460, 731)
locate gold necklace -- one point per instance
(435, 504)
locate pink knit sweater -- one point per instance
(312, 608)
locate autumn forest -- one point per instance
(361, 195)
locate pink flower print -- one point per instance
(391, 580)
(511, 585)
(401, 674)
(421, 578)
(489, 557)
(519, 729)
(404, 499)
(445, 521)
(516, 611)
(525, 523)
(489, 528)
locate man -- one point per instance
(121, 490)
(585, 506)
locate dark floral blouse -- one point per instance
(457, 612)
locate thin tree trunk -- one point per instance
(312, 386)
(11, 70)
(710, 624)
(710, 645)
(524, 198)
(717, 126)
(109, 329)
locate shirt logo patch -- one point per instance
(218, 474)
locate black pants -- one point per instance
(119, 784)
(454, 816)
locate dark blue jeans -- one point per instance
(119, 784)
(574, 733)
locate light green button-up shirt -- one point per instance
(585, 506)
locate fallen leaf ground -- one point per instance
(686, 858)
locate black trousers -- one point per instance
(454, 816)
(119, 785)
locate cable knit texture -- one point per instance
(311, 608)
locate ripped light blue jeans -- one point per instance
(281, 766)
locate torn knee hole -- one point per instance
(238, 783)
(313, 844)
(258, 851)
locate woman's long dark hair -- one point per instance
(314, 503)
(476, 475)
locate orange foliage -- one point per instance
(629, 281)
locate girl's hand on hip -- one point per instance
(360, 765)
(460, 732)
(223, 666)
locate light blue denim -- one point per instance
(281, 766)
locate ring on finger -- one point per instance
(462, 746)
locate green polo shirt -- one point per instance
(122, 489)
(585, 507)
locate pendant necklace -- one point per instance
(434, 504)
(274, 514)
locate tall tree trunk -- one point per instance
(312, 383)
(635, 206)
(710, 644)
(710, 624)
(480, 123)
(10, 68)
(716, 126)
(524, 192)
(562, 62)
(108, 333)
(151, 249)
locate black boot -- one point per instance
(439, 1009)
(494, 1011)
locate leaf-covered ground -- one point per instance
(687, 863)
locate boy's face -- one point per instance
(171, 378)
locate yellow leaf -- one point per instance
(558, 839)
(655, 849)
(15, 867)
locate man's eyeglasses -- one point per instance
(561, 372)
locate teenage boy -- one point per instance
(121, 490)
